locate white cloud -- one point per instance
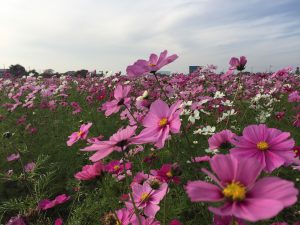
(99, 34)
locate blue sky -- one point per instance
(111, 34)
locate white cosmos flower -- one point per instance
(219, 94)
(195, 116)
(143, 96)
(208, 130)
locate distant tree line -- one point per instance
(19, 71)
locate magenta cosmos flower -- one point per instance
(243, 196)
(221, 140)
(48, 204)
(159, 122)
(168, 173)
(269, 146)
(58, 221)
(238, 64)
(147, 198)
(117, 142)
(296, 151)
(17, 220)
(175, 222)
(81, 134)
(152, 65)
(89, 172)
(120, 95)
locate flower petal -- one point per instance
(203, 191)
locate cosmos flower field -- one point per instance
(149, 149)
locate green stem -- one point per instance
(130, 191)
(163, 91)
(165, 206)
(235, 95)
(137, 122)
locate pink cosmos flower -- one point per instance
(13, 157)
(116, 168)
(199, 159)
(29, 167)
(154, 64)
(159, 122)
(140, 177)
(145, 221)
(89, 172)
(282, 73)
(48, 204)
(89, 99)
(147, 198)
(124, 216)
(58, 221)
(221, 140)
(243, 196)
(117, 142)
(296, 123)
(294, 97)
(17, 220)
(120, 95)
(269, 146)
(64, 104)
(81, 134)
(76, 107)
(238, 64)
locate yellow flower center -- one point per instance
(169, 174)
(116, 167)
(262, 145)
(118, 223)
(145, 197)
(79, 133)
(296, 151)
(163, 122)
(235, 191)
(152, 64)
